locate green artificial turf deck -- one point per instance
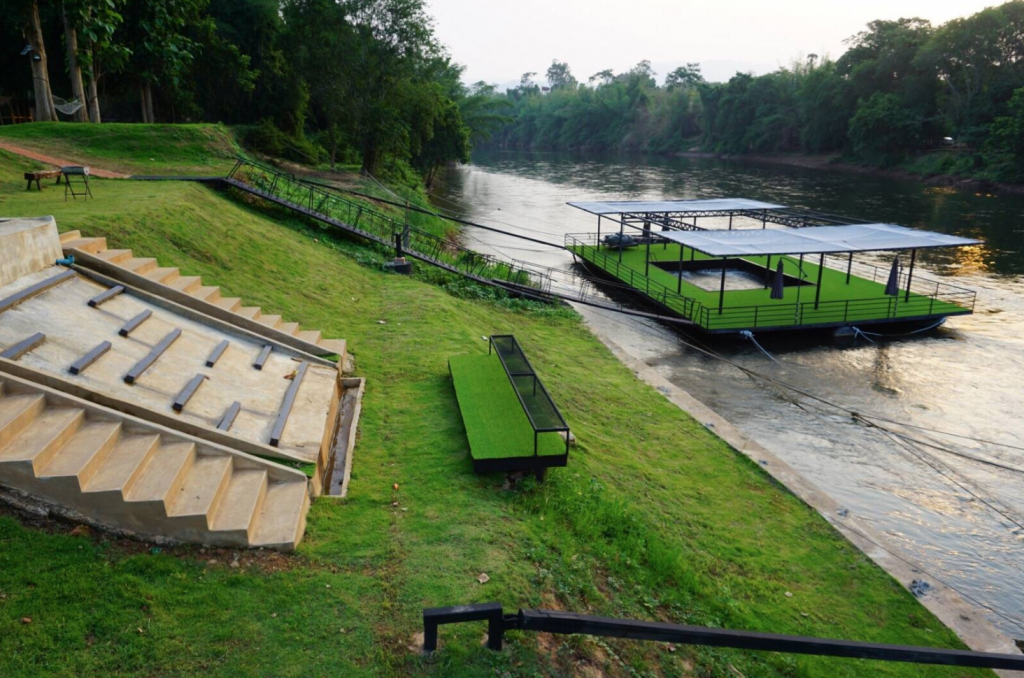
(496, 424)
(867, 298)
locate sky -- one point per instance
(498, 41)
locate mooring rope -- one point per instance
(902, 334)
(747, 334)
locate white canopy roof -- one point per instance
(813, 240)
(673, 206)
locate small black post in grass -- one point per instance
(767, 271)
(622, 229)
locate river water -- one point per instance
(959, 519)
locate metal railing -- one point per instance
(927, 297)
(375, 225)
(560, 622)
(534, 398)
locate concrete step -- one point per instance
(209, 294)
(119, 471)
(311, 336)
(164, 474)
(84, 453)
(337, 346)
(69, 235)
(40, 441)
(17, 412)
(283, 517)
(250, 312)
(269, 320)
(241, 506)
(201, 493)
(163, 276)
(232, 304)
(186, 283)
(139, 265)
(289, 328)
(115, 256)
(90, 245)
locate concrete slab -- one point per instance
(73, 329)
(27, 245)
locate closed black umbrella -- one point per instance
(779, 283)
(892, 288)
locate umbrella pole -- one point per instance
(910, 273)
(817, 292)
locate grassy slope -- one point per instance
(496, 425)
(654, 517)
(131, 148)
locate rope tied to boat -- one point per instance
(747, 334)
(860, 332)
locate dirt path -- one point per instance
(58, 162)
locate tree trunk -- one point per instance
(40, 75)
(93, 95)
(334, 144)
(149, 102)
(75, 68)
(142, 103)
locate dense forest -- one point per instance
(348, 81)
(901, 89)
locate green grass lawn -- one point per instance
(738, 304)
(131, 148)
(654, 518)
(496, 425)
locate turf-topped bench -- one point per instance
(511, 421)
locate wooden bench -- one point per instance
(41, 174)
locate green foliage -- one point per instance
(882, 130)
(267, 139)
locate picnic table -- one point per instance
(38, 175)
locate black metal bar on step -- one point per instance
(135, 372)
(553, 621)
(261, 359)
(286, 405)
(489, 612)
(10, 302)
(186, 393)
(15, 351)
(217, 352)
(89, 358)
(229, 416)
(105, 296)
(134, 323)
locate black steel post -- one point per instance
(817, 292)
(398, 246)
(910, 273)
(679, 283)
(767, 271)
(598, 232)
(730, 222)
(849, 267)
(647, 262)
(721, 291)
(622, 227)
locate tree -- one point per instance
(74, 64)
(1008, 130)
(687, 76)
(156, 32)
(33, 32)
(602, 77)
(94, 22)
(882, 130)
(559, 75)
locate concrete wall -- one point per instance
(27, 245)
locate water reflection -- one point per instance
(957, 517)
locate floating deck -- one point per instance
(726, 280)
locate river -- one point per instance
(959, 519)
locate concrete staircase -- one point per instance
(120, 472)
(193, 286)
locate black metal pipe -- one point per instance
(817, 291)
(910, 273)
